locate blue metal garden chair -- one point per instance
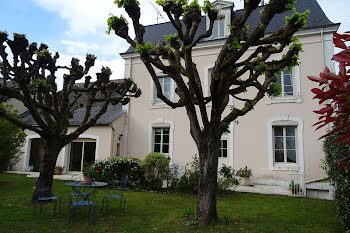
(76, 178)
(116, 192)
(45, 195)
(83, 197)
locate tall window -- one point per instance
(284, 144)
(82, 154)
(224, 145)
(161, 140)
(219, 27)
(223, 148)
(165, 83)
(286, 83)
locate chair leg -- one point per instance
(106, 206)
(103, 203)
(71, 213)
(123, 205)
(54, 208)
(89, 212)
(60, 205)
(94, 215)
(34, 210)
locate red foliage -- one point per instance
(335, 92)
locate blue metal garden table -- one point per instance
(83, 195)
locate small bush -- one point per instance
(227, 182)
(156, 167)
(188, 183)
(113, 169)
(11, 140)
(226, 172)
(340, 177)
(244, 172)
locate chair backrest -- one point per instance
(41, 190)
(121, 187)
(87, 192)
(124, 181)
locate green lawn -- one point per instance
(153, 212)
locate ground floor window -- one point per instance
(285, 150)
(224, 146)
(161, 140)
(82, 154)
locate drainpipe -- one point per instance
(112, 143)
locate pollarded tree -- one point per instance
(31, 78)
(232, 74)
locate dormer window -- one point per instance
(219, 27)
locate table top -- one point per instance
(81, 184)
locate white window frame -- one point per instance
(284, 136)
(296, 97)
(282, 76)
(82, 140)
(220, 20)
(225, 137)
(161, 139)
(153, 94)
(161, 123)
(224, 12)
(286, 121)
(64, 152)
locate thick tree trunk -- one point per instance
(47, 166)
(208, 156)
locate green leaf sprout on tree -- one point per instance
(121, 3)
(235, 44)
(172, 38)
(298, 19)
(274, 90)
(207, 6)
(142, 49)
(114, 21)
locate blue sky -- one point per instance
(77, 27)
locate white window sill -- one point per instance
(286, 167)
(284, 99)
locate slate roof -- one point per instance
(113, 112)
(317, 19)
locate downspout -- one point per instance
(112, 139)
(322, 48)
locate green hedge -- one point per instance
(156, 167)
(339, 177)
(111, 170)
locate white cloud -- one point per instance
(89, 17)
(83, 16)
(78, 46)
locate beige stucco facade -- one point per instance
(250, 138)
(107, 138)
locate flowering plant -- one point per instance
(113, 169)
(90, 171)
